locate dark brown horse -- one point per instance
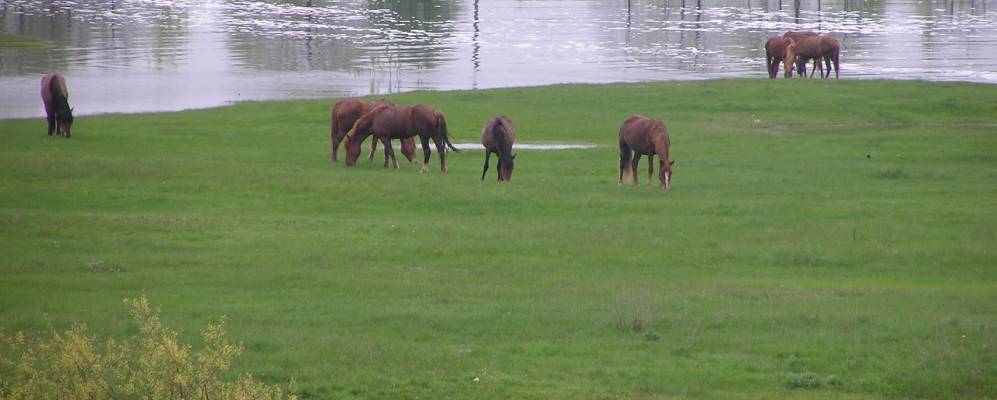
(345, 113)
(497, 136)
(819, 48)
(638, 136)
(388, 122)
(780, 49)
(55, 96)
(801, 64)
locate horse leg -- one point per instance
(650, 168)
(441, 148)
(333, 156)
(51, 123)
(633, 167)
(425, 153)
(498, 169)
(827, 63)
(373, 148)
(487, 154)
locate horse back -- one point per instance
(498, 132)
(776, 46)
(643, 134)
(420, 119)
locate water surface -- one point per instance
(163, 55)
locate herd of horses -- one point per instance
(796, 49)
(638, 136)
(354, 120)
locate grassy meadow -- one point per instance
(12, 41)
(822, 239)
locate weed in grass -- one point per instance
(895, 173)
(631, 312)
(809, 380)
(99, 266)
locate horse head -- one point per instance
(789, 59)
(665, 173)
(64, 116)
(360, 130)
(505, 167)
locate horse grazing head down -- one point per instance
(789, 59)
(360, 130)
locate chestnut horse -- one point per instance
(638, 136)
(780, 49)
(819, 48)
(801, 64)
(55, 96)
(388, 122)
(497, 136)
(345, 113)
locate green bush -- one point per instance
(152, 365)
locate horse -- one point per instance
(819, 48)
(345, 113)
(780, 49)
(388, 122)
(498, 136)
(801, 64)
(641, 135)
(55, 96)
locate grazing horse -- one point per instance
(388, 122)
(780, 49)
(55, 96)
(801, 64)
(498, 136)
(345, 113)
(640, 135)
(819, 48)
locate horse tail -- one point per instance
(768, 60)
(837, 50)
(625, 154)
(441, 124)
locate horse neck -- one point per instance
(660, 142)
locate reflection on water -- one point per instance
(144, 55)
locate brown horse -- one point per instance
(780, 49)
(640, 135)
(55, 96)
(497, 136)
(388, 122)
(801, 64)
(345, 113)
(819, 48)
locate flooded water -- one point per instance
(163, 55)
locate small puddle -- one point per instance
(528, 146)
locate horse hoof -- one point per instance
(423, 169)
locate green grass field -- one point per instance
(822, 239)
(8, 40)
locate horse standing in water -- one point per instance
(388, 122)
(638, 136)
(345, 113)
(55, 96)
(497, 136)
(780, 49)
